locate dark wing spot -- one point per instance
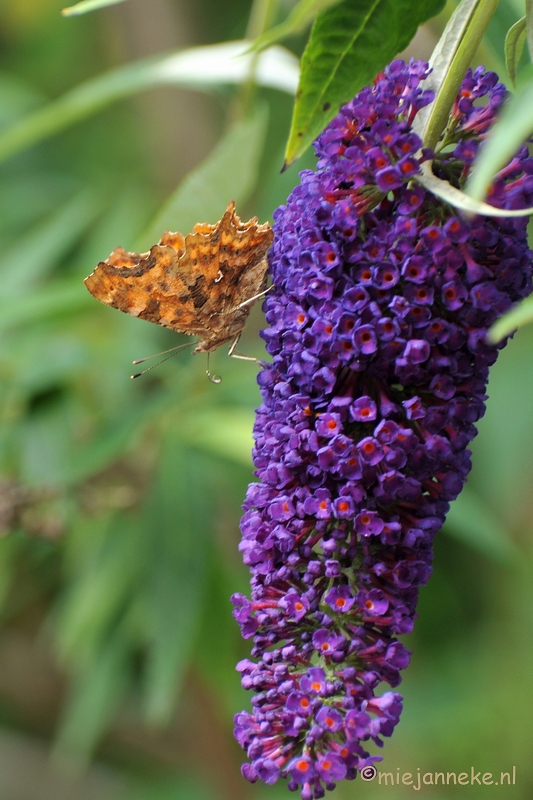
(132, 272)
(199, 298)
(151, 310)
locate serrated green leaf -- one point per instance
(228, 173)
(88, 5)
(458, 199)
(348, 45)
(514, 47)
(517, 317)
(200, 68)
(300, 16)
(472, 522)
(513, 127)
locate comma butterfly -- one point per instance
(202, 284)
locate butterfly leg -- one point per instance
(235, 353)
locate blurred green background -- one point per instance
(120, 500)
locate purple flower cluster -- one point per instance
(377, 330)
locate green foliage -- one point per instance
(301, 15)
(514, 47)
(97, 93)
(516, 318)
(230, 171)
(349, 44)
(88, 5)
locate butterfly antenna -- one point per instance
(164, 352)
(176, 349)
(213, 378)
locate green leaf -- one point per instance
(99, 592)
(9, 548)
(94, 698)
(300, 16)
(517, 317)
(179, 787)
(458, 199)
(200, 68)
(88, 5)
(514, 47)
(114, 439)
(225, 432)
(513, 127)
(472, 522)
(229, 173)
(218, 633)
(529, 27)
(348, 45)
(61, 297)
(178, 520)
(450, 59)
(43, 246)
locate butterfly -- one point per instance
(202, 284)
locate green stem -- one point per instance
(261, 16)
(529, 26)
(440, 110)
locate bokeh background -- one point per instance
(120, 500)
